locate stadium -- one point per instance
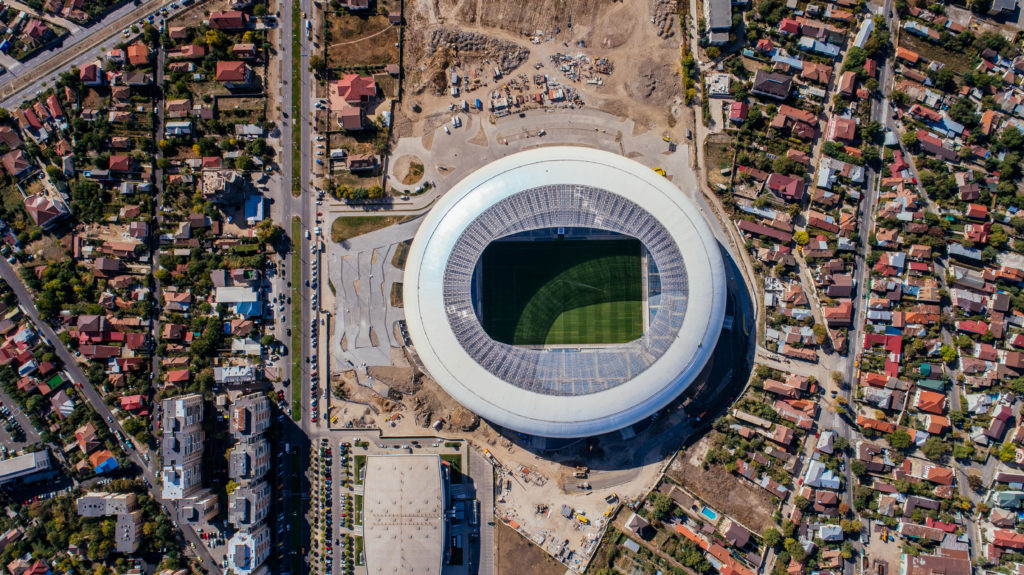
(564, 292)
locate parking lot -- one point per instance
(17, 431)
(336, 506)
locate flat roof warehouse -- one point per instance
(403, 513)
(536, 391)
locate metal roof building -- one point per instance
(548, 392)
(403, 514)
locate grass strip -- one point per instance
(401, 254)
(348, 227)
(358, 551)
(296, 320)
(357, 510)
(454, 461)
(296, 100)
(358, 462)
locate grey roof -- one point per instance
(249, 460)
(249, 505)
(24, 466)
(403, 514)
(250, 416)
(772, 84)
(1003, 6)
(719, 14)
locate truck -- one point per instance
(580, 472)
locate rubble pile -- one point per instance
(504, 54)
(581, 67)
(662, 13)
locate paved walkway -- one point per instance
(361, 272)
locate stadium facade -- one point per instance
(565, 391)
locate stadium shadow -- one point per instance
(679, 423)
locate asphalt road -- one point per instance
(78, 48)
(96, 400)
(154, 246)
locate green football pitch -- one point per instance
(562, 292)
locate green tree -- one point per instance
(1007, 451)
(268, 233)
(948, 354)
(858, 468)
(851, 527)
(771, 537)
(934, 448)
(661, 506)
(802, 238)
(900, 439)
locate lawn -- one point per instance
(454, 461)
(718, 157)
(348, 227)
(401, 254)
(296, 99)
(414, 175)
(562, 292)
(358, 463)
(358, 550)
(957, 62)
(357, 510)
(296, 349)
(396, 294)
(357, 40)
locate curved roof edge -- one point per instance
(561, 416)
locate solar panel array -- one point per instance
(578, 370)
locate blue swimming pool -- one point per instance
(707, 512)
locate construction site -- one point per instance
(503, 59)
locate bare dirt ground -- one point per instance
(47, 247)
(403, 165)
(106, 232)
(361, 40)
(195, 15)
(514, 554)
(723, 491)
(639, 37)
(888, 551)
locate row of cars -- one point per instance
(162, 13)
(322, 509)
(346, 501)
(314, 336)
(12, 426)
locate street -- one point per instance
(82, 46)
(94, 398)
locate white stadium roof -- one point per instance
(547, 393)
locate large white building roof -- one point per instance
(403, 514)
(601, 388)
